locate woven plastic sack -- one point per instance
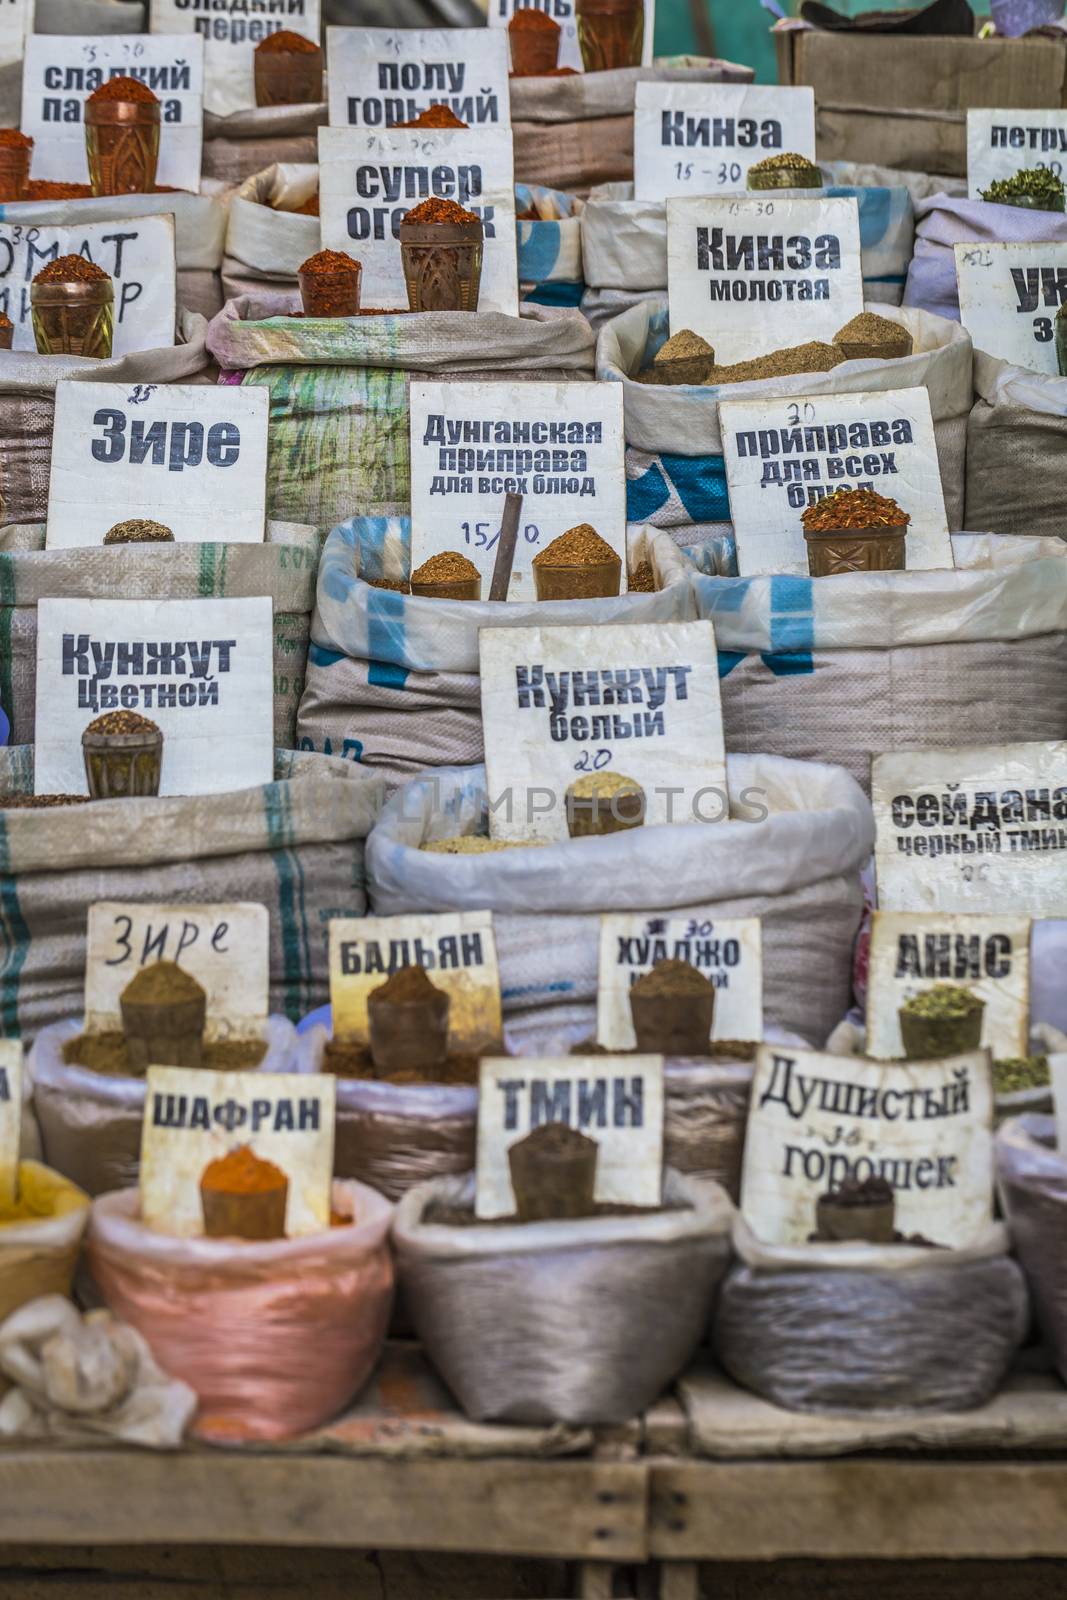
(1032, 1183)
(580, 1321)
(676, 476)
(882, 661)
(266, 239)
(91, 1122)
(295, 846)
(38, 1257)
(1016, 449)
(338, 434)
(550, 248)
(245, 142)
(392, 679)
(275, 1338)
(284, 567)
(945, 220)
(798, 870)
(860, 1327)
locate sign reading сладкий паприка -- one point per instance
(192, 1118)
(231, 35)
(137, 253)
(701, 138)
(640, 702)
(559, 445)
(1009, 296)
(925, 1126)
(60, 72)
(979, 829)
(370, 179)
(458, 951)
(754, 274)
(190, 456)
(10, 1118)
(911, 951)
(616, 1100)
(226, 948)
(381, 76)
(784, 454)
(201, 670)
(728, 951)
(999, 143)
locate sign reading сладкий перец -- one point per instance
(754, 274)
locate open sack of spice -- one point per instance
(1032, 1184)
(1015, 436)
(273, 226)
(944, 220)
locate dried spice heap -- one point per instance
(12, 139)
(285, 42)
(121, 722)
(435, 116)
(438, 210)
(5, 321)
(107, 1054)
(473, 844)
(40, 802)
(139, 530)
(448, 566)
(811, 357)
(603, 786)
(669, 978)
(853, 508)
(328, 261)
(71, 269)
(787, 158)
(529, 20)
(405, 985)
(578, 547)
(1020, 1072)
(162, 983)
(309, 208)
(1036, 183)
(946, 1002)
(642, 580)
(43, 189)
(124, 89)
(241, 1171)
(683, 346)
(870, 328)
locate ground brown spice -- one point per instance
(437, 210)
(397, 585)
(811, 357)
(529, 19)
(869, 328)
(435, 116)
(345, 1060)
(139, 530)
(405, 985)
(448, 566)
(578, 547)
(669, 978)
(123, 88)
(113, 722)
(683, 345)
(310, 208)
(40, 802)
(13, 139)
(285, 42)
(5, 320)
(853, 508)
(162, 982)
(642, 580)
(40, 189)
(603, 786)
(71, 269)
(325, 262)
(106, 1053)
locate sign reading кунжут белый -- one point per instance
(981, 829)
(559, 445)
(1000, 143)
(201, 670)
(61, 72)
(600, 704)
(783, 454)
(754, 274)
(369, 180)
(816, 1119)
(193, 457)
(726, 950)
(1009, 297)
(231, 31)
(701, 138)
(379, 77)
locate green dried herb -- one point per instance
(1020, 1072)
(1037, 182)
(944, 1002)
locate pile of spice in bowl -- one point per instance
(139, 530)
(72, 307)
(604, 802)
(534, 38)
(329, 284)
(441, 245)
(786, 170)
(1033, 188)
(123, 754)
(288, 70)
(407, 1019)
(122, 129)
(870, 337)
(579, 565)
(448, 575)
(854, 530)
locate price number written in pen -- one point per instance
(481, 535)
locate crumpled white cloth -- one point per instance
(82, 1378)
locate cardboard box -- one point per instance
(902, 100)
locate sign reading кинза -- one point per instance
(755, 274)
(701, 138)
(999, 143)
(728, 951)
(369, 180)
(379, 77)
(1009, 297)
(559, 445)
(784, 454)
(231, 30)
(980, 829)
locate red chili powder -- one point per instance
(327, 261)
(70, 269)
(437, 210)
(436, 116)
(41, 189)
(124, 89)
(5, 321)
(12, 139)
(528, 20)
(285, 42)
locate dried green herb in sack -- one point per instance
(945, 1002)
(1036, 184)
(1020, 1072)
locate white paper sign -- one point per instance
(979, 829)
(883, 440)
(225, 947)
(1009, 296)
(16, 23)
(641, 701)
(924, 1126)
(231, 35)
(616, 1100)
(701, 138)
(1000, 143)
(10, 1118)
(911, 951)
(138, 254)
(191, 456)
(61, 72)
(381, 76)
(457, 950)
(559, 445)
(370, 180)
(728, 951)
(500, 13)
(755, 273)
(192, 1118)
(202, 670)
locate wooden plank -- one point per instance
(896, 1510)
(566, 1509)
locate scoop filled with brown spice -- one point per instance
(579, 565)
(448, 575)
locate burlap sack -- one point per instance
(38, 1257)
(675, 471)
(798, 870)
(284, 568)
(1032, 1182)
(862, 1327)
(246, 142)
(27, 403)
(392, 679)
(295, 846)
(266, 239)
(871, 662)
(338, 434)
(571, 133)
(1016, 444)
(944, 220)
